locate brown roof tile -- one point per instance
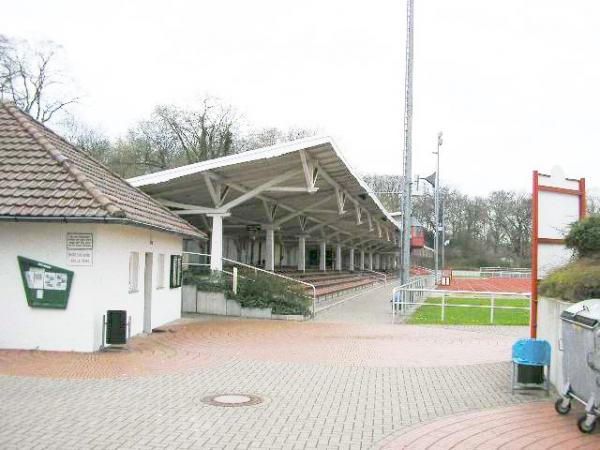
(43, 176)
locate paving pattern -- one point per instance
(325, 384)
(530, 426)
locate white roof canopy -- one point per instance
(300, 187)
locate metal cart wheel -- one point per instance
(561, 408)
(584, 426)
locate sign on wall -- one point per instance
(557, 203)
(46, 286)
(80, 249)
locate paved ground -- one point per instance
(529, 426)
(349, 380)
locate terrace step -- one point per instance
(332, 291)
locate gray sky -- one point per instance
(514, 84)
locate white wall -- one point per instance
(95, 289)
(549, 328)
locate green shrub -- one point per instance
(207, 281)
(266, 291)
(579, 280)
(584, 237)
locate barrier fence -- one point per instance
(409, 297)
(410, 293)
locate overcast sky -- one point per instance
(513, 84)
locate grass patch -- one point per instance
(471, 316)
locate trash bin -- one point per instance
(581, 361)
(530, 358)
(530, 374)
(116, 327)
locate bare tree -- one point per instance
(387, 188)
(31, 78)
(266, 137)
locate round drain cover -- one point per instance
(232, 400)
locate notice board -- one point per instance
(558, 202)
(46, 286)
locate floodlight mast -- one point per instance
(407, 160)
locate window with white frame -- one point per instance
(160, 271)
(134, 266)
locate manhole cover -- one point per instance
(230, 400)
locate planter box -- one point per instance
(549, 328)
(200, 302)
(188, 298)
(211, 303)
(233, 308)
(256, 313)
(293, 317)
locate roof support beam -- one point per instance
(291, 189)
(294, 212)
(258, 189)
(302, 211)
(310, 172)
(186, 207)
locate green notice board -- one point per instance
(46, 286)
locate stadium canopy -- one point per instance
(301, 191)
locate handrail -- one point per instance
(504, 269)
(377, 273)
(258, 269)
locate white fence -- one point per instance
(407, 298)
(504, 272)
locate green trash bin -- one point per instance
(116, 327)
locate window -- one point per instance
(175, 274)
(160, 272)
(134, 264)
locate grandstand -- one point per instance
(296, 208)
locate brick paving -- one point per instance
(326, 384)
(529, 426)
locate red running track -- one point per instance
(517, 285)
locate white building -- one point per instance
(67, 213)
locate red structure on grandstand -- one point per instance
(417, 235)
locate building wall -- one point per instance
(549, 328)
(96, 288)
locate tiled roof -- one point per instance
(42, 176)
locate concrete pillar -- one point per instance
(322, 256)
(216, 241)
(302, 253)
(370, 260)
(351, 260)
(270, 249)
(362, 259)
(338, 257)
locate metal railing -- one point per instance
(186, 259)
(379, 274)
(258, 269)
(504, 272)
(406, 294)
(413, 296)
(187, 263)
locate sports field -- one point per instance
(475, 315)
